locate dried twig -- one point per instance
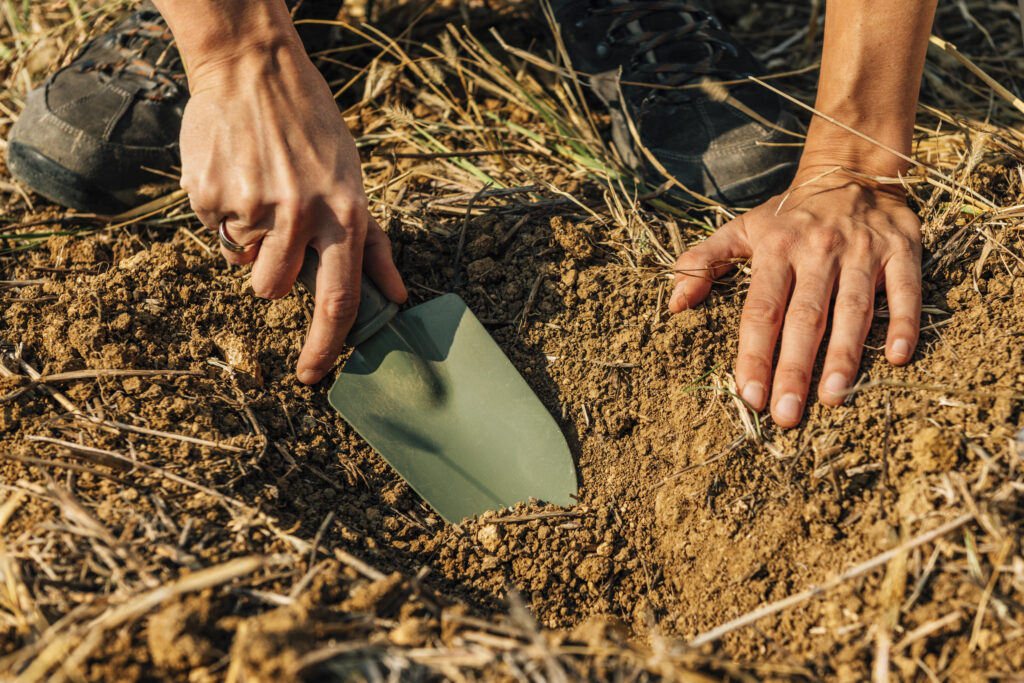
(875, 562)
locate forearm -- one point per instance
(870, 79)
(218, 36)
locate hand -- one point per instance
(264, 146)
(833, 236)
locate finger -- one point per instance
(211, 219)
(903, 290)
(280, 255)
(245, 236)
(851, 321)
(696, 270)
(802, 331)
(379, 266)
(337, 300)
(770, 281)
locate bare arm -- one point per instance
(833, 233)
(264, 146)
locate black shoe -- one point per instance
(707, 144)
(101, 135)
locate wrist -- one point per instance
(829, 146)
(218, 37)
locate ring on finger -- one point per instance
(227, 242)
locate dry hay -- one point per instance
(173, 503)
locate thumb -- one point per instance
(697, 269)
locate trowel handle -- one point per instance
(375, 309)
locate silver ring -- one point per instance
(225, 241)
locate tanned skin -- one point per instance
(833, 233)
(264, 146)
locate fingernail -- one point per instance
(835, 384)
(753, 393)
(677, 293)
(788, 408)
(901, 349)
(307, 377)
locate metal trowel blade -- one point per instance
(435, 396)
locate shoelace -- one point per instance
(148, 55)
(696, 29)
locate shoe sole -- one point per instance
(58, 184)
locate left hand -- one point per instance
(833, 236)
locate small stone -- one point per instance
(482, 270)
(480, 247)
(370, 597)
(134, 262)
(601, 630)
(605, 549)
(934, 450)
(281, 313)
(410, 633)
(569, 277)
(121, 323)
(240, 354)
(489, 537)
(594, 569)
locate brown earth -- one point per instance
(683, 523)
(286, 548)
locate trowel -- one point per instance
(433, 394)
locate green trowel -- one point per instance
(431, 392)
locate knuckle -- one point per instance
(290, 214)
(339, 307)
(248, 200)
(792, 376)
(855, 303)
(762, 311)
(862, 242)
(691, 265)
(353, 214)
(907, 285)
(751, 366)
(825, 240)
(904, 322)
(774, 247)
(807, 315)
(843, 359)
(202, 199)
(266, 289)
(904, 245)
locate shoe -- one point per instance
(707, 144)
(101, 135)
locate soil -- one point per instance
(683, 523)
(691, 512)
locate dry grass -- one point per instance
(456, 124)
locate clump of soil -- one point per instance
(686, 518)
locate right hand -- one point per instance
(264, 146)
